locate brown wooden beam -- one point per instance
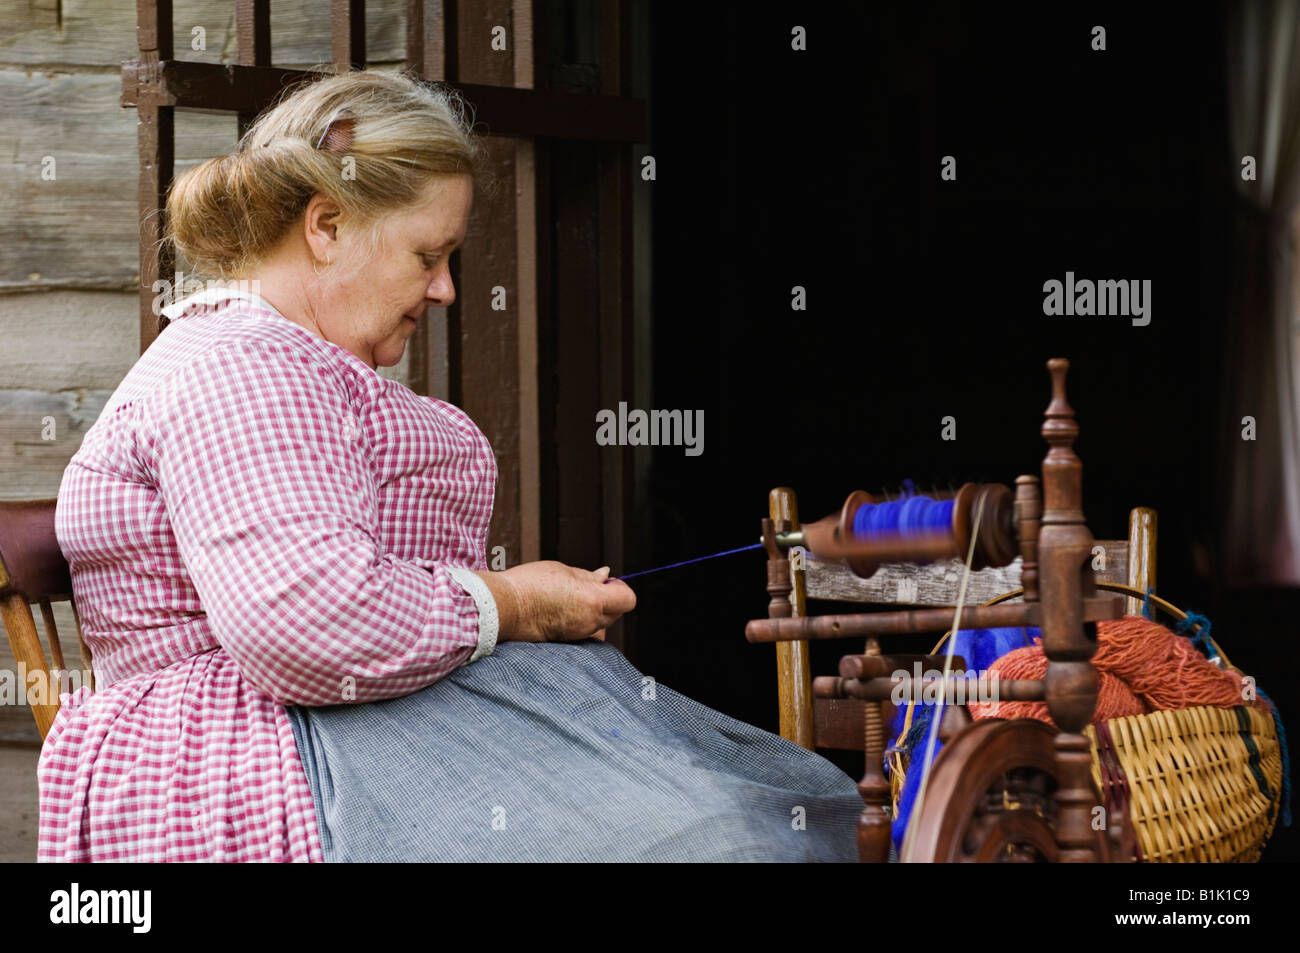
(348, 28)
(430, 349)
(428, 25)
(253, 32)
(499, 110)
(526, 307)
(253, 43)
(489, 355)
(614, 210)
(154, 29)
(155, 142)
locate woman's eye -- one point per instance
(428, 260)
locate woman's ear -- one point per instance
(320, 227)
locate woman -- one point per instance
(279, 561)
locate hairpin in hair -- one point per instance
(337, 137)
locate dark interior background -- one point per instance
(821, 168)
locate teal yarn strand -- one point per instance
(1286, 756)
(1201, 639)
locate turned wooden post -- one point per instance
(874, 825)
(793, 668)
(1029, 514)
(1064, 579)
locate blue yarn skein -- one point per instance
(913, 515)
(980, 648)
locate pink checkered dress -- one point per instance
(256, 519)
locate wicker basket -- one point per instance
(1200, 784)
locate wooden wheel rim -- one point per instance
(953, 790)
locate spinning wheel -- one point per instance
(1011, 789)
(1197, 781)
(992, 798)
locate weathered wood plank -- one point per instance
(102, 33)
(936, 584)
(67, 340)
(31, 467)
(80, 228)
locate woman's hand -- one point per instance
(547, 601)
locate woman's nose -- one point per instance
(441, 292)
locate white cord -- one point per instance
(933, 733)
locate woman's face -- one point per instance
(371, 307)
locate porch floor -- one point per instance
(18, 803)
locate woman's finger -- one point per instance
(618, 597)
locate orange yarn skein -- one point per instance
(1143, 667)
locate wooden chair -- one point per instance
(34, 572)
(920, 573)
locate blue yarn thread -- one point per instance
(687, 562)
(1201, 639)
(910, 515)
(1146, 604)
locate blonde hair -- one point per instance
(373, 142)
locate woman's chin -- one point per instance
(390, 356)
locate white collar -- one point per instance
(209, 297)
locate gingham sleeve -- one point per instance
(269, 486)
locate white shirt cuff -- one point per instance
(489, 622)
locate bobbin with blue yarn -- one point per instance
(917, 516)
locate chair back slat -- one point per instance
(935, 584)
(33, 570)
(52, 635)
(34, 564)
(82, 648)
